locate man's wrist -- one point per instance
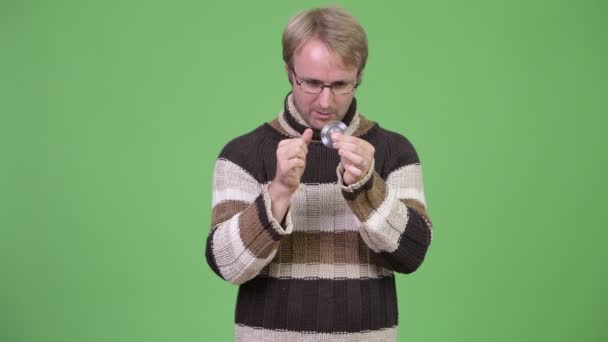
(280, 197)
(279, 192)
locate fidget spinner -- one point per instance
(333, 126)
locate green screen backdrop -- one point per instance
(113, 112)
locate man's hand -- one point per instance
(356, 155)
(291, 161)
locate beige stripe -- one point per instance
(321, 207)
(354, 125)
(286, 127)
(407, 182)
(291, 107)
(232, 182)
(325, 271)
(409, 188)
(225, 210)
(277, 125)
(364, 126)
(385, 226)
(248, 334)
(234, 261)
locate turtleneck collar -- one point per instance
(294, 124)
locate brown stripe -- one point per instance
(365, 254)
(364, 126)
(253, 233)
(369, 199)
(225, 210)
(417, 206)
(327, 251)
(323, 248)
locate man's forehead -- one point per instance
(327, 75)
(315, 60)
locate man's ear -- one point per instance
(288, 70)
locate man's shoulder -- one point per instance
(394, 147)
(374, 132)
(246, 143)
(250, 150)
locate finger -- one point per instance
(295, 163)
(348, 147)
(365, 148)
(307, 136)
(349, 138)
(353, 159)
(362, 149)
(294, 148)
(301, 143)
(301, 156)
(353, 170)
(300, 153)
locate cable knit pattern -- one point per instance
(326, 272)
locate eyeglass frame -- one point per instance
(323, 85)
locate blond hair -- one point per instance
(335, 27)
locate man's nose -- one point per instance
(325, 98)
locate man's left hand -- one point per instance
(356, 155)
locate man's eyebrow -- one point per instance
(312, 79)
(319, 81)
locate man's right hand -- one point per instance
(291, 162)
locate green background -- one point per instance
(113, 112)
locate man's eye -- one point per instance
(314, 84)
(339, 85)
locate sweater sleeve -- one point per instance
(395, 224)
(244, 235)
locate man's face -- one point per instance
(315, 62)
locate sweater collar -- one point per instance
(294, 124)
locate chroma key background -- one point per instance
(112, 114)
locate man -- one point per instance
(313, 234)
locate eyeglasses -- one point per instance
(316, 87)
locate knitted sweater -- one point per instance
(326, 272)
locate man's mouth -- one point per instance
(323, 114)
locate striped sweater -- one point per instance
(326, 272)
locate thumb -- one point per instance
(307, 136)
